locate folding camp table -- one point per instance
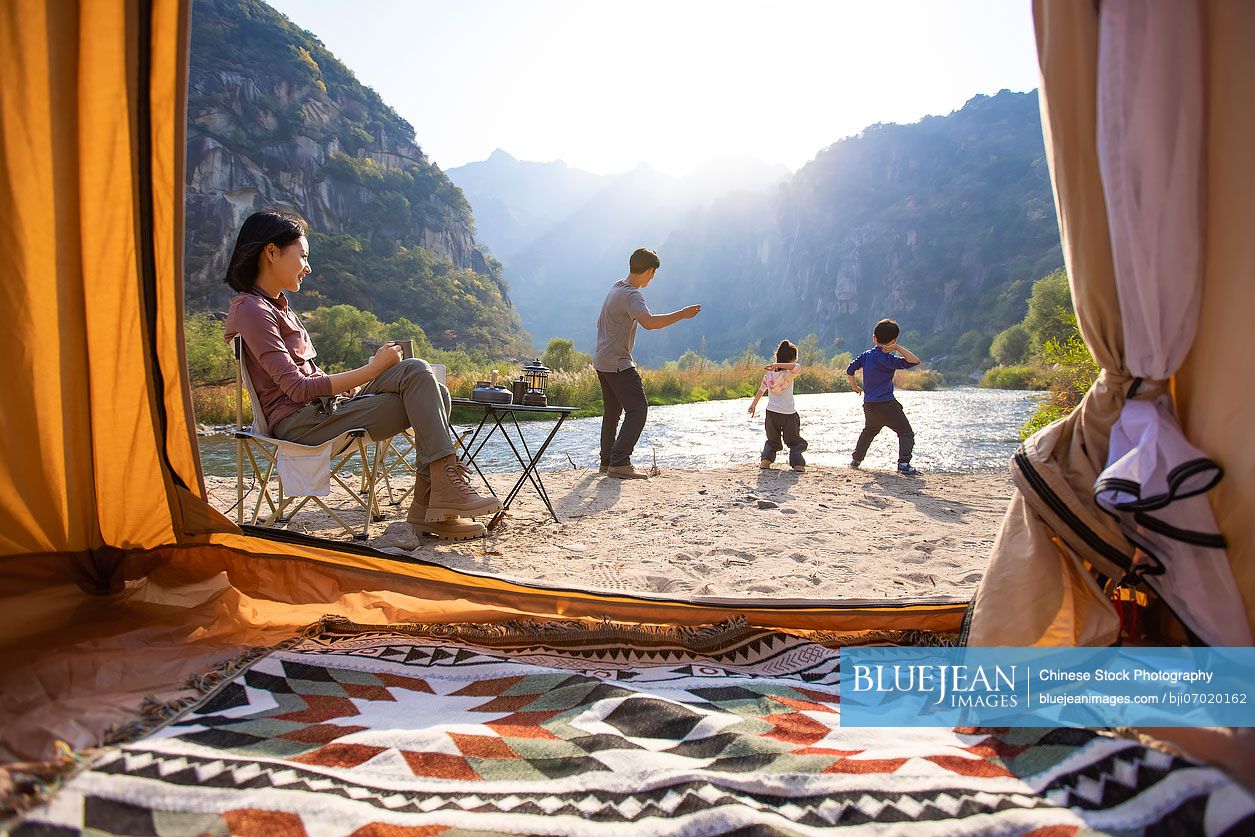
(500, 417)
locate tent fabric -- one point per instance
(1150, 137)
(1055, 533)
(99, 447)
(1213, 396)
(77, 664)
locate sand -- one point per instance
(743, 532)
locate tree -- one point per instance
(209, 356)
(1010, 346)
(690, 360)
(404, 329)
(340, 334)
(972, 347)
(1050, 312)
(809, 352)
(562, 356)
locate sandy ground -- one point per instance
(823, 534)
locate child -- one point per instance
(880, 408)
(781, 419)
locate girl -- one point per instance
(781, 420)
(271, 259)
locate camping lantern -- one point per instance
(536, 375)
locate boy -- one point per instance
(782, 420)
(621, 387)
(880, 408)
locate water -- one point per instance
(963, 429)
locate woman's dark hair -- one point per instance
(258, 230)
(786, 352)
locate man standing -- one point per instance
(621, 387)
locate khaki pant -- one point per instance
(406, 395)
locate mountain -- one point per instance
(515, 202)
(561, 231)
(942, 224)
(276, 121)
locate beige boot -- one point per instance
(452, 495)
(455, 529)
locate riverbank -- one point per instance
(215, 404)
(829, 533)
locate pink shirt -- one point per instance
(278, 354)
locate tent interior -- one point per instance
(119, 582)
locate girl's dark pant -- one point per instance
(784, 429)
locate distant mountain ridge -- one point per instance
(943, 224)
(558, 228)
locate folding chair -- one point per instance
(397, 457)
(270, 458)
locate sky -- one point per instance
(606, 86)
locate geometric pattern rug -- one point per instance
(482, 730)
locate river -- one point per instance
(961, 430)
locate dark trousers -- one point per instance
(878, 414)
(624, 395)
(786, 427)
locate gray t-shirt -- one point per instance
(616, 327)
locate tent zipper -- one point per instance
(1056, 504)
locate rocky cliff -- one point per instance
(275, 121)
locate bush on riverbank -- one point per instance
(215, 404)
(1019, 376)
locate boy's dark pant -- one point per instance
(623, 394)
(878, 414)
(788, 427)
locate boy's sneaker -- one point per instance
(798, 467)
(856, 464)
(765, 463)
(604, 469)
(905, 469)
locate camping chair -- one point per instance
(396, 457)
(308, 477)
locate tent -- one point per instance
(117, 578)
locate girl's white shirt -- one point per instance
(780, 390)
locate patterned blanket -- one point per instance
(422, 732)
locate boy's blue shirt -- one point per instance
(878, 368)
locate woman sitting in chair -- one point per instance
(388, 394)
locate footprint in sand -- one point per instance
(763, 588)
(734, 556)
(971, 578)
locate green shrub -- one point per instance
(216, 405)
(922, 380)
(1023, 376)
(209, 356)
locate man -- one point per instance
(621, 387)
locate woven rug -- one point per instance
(557, 731)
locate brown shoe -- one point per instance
(454, 529)
(626, 472)
(765, 463)
(452, 495)
(604, 469)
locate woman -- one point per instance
(271, 258)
